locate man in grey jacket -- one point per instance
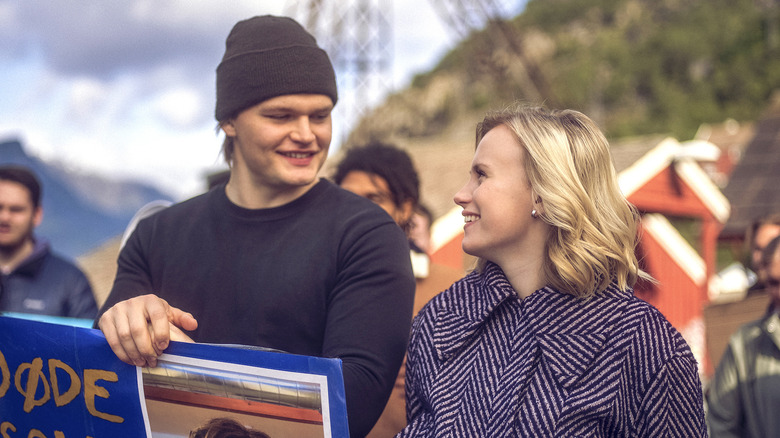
(745, 391)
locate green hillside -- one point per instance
(636, 66)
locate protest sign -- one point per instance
(63, 381)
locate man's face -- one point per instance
(281, 143)
(376, 189)
(18, 217)
(772, 279)
(764, 234)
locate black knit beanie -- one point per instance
(266, 57)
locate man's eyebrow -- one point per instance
(290, 109)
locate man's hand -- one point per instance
(139, 329)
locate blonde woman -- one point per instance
(545, 338)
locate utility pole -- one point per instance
(357, 34)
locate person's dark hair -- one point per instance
(25, 177)
(770, 252)
(225, 428)
(388, 162)
(425, 212)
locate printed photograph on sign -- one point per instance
(189, 397)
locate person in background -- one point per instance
(386, 175)
(420, 232)
(383, 174)
(744, 393)
(223, 427)
(761, 232)
(276, 257)
(545, 338)
(34, 279)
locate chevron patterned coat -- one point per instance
(483, 363)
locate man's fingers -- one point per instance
(182, 319)
(178, 335)
(109, 331)
(157, 314)
(137, 329)
(117, 327)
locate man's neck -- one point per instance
(10, 258)
(252, 196)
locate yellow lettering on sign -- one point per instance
(4, 426)
(91, 390)
(5, 375)
(75, 383)
(33, 376)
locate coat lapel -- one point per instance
(572, 332)
(569, 331)
(458, 322)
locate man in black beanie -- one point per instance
(276, 257)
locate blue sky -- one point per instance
(125, 88)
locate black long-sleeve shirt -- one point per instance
(327, 274)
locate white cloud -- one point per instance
(126, 87)
(179, 107)
(87, 98)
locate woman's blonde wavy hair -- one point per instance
(568, 164)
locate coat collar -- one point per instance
(569, 332)
(33, 262)
(474, 300)
(771, 326)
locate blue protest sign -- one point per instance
(63, 381)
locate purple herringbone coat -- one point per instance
(483, 363)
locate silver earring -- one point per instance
(534, 213)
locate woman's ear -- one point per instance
(538, 204)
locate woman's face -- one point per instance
(497, 201)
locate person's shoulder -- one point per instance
(348, 201)
(752, 330)
(650, 329)
(62, 264)
(174, 212)
(197, 201)
(350, 211)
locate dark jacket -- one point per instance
(47, 284)
(745, 392)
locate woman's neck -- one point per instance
(526, 277)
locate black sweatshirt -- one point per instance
(327, 274)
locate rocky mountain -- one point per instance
(80, 211)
